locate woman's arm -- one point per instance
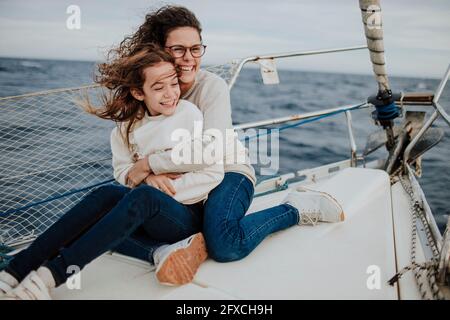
(195, 186)
(216, 109)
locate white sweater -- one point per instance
(152, 135)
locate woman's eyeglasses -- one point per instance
(179, 51)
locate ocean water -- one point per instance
(307, 146)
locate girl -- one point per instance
(145, 103)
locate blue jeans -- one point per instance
(230, 234)
(130, 221)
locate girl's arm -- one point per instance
(122, 160)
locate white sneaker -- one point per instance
(314, 206)
(178, 263)
(7, 283)
(31, 288)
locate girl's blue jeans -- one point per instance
(112, 217)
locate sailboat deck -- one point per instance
(327, 261)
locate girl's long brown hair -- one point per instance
(120, 75)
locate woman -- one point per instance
(230, 234)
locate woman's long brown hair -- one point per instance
(157, 26)
(120, 75)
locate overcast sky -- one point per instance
(417, 33)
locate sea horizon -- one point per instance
(249, 66)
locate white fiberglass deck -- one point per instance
(328, 261)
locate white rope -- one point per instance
(373, 28)
(426, 272)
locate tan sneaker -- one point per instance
(178, 263)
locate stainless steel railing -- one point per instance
(420, 99)
(256, 58)
(347, 109)
(439, 111)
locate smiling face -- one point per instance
(188, 65)
(160, 91)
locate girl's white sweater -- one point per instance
(153, 135)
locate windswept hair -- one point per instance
(120, 75)
(157, 26)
